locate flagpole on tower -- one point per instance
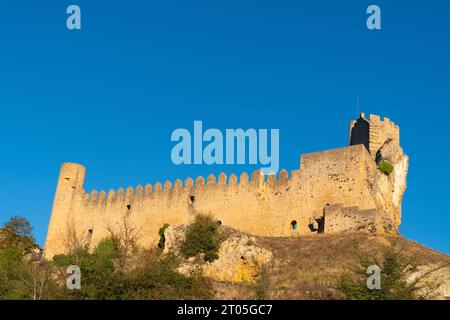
(357, 106)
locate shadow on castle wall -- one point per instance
(360, 133)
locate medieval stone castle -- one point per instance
(339, 190)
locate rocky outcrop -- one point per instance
(389, 151)
(433, 280)
(174, 236)
(240, 258)
(389, 189)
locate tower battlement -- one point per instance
(373, 132)
(346, 178)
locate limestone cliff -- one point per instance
(240, 259)
(382, 139)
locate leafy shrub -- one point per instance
(99, 277)
(386, 167)
(158, 280)
(10, 261)
(162, 238)
(155, 278)
(108, 248)
(202, 236)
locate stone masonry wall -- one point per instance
(283, 205)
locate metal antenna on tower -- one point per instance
(357, 106)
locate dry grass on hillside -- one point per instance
(311, 267)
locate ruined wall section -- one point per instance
(337, 176)
(352, 219)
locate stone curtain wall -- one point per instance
(259, 205)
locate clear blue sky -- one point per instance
(110, 95)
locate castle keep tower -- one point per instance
(373, 132)
(333, 191)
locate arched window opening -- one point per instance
(294, 224)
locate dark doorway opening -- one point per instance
(321, 225)
(318, 225)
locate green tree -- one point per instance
(20, 226)
(16, 233)
(393, 280)
(21, 275)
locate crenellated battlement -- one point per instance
(254, 203)
(256, 179)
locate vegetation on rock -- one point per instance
(202, 237)
(386, 167)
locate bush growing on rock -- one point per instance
(386, 167)
(202, 237)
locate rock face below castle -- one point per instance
(334, 191)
